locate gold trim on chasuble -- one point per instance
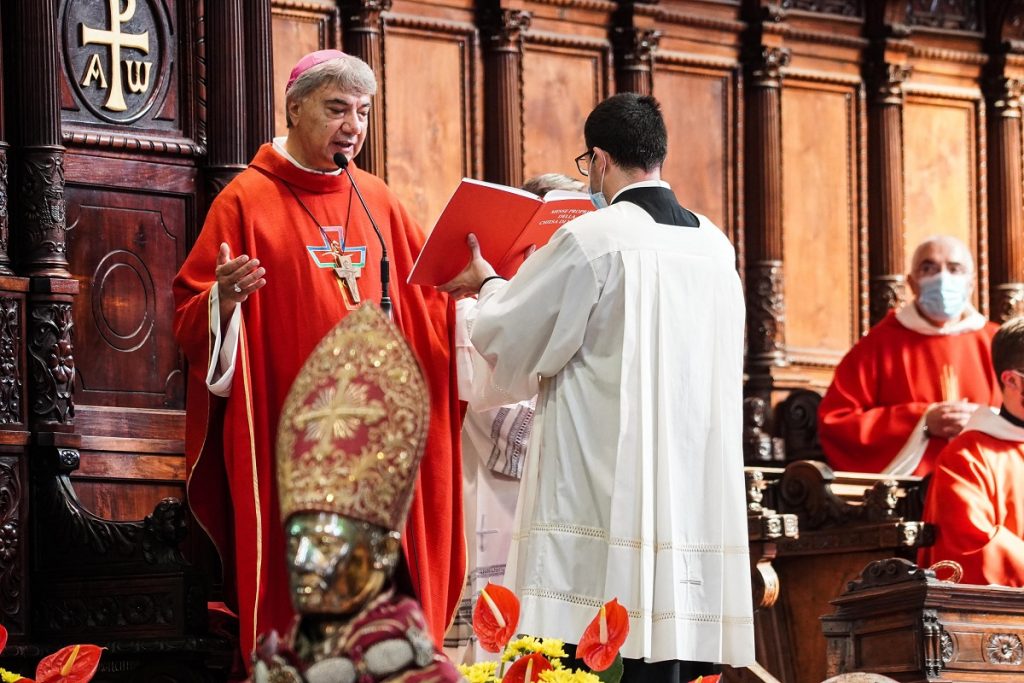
(247, 385)
(354, 425)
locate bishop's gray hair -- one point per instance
(351, 74)
(542, 184)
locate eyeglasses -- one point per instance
(583, 162)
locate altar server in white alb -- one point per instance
(629, 322)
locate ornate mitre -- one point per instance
(354, 425)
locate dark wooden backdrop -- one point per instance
(826, 137)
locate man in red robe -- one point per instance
(976, 497)
(286, 252)
(910, 385)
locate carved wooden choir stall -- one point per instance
(825, 137)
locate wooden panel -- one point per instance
(123, 500)
(144, 87)
(125, 249)
(298, 28)
(429, 113)
(821, 226)
(940, 171)
(698, 105)
(561, 85)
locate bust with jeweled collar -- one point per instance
(351, 436)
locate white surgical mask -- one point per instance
(943, 296)
(598, 197)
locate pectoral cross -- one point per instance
(348, 273)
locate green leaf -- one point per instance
(613, 674)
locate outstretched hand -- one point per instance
(237, 278)
(468, 282)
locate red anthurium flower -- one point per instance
(600, 643)
(3, 637)
(495, 617)
(72, 664)
(527, 669)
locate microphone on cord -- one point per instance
(385, 267)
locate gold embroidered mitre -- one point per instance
(354, 425)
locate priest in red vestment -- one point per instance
(910, 385)
(976, 497)
(286, 252)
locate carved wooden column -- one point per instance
(1005, 198)
(259, 76)
(362, 38)
(634, 59)
(5, 259)
(51, 359)
(227, 116)
(766, 310)
(5, 223)
(503, 96)
(40, 227)
(885, 186)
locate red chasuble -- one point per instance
(887, 382)
(976, 499)
(230, 442)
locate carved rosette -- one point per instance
(52, 373)
(41, 191)
(886, 81)
(365, 14)
(5, 221)
(766, 314)
(1004, 649)
(635, 48)
(10, 374)
(506, 28)
(887, 292)
(10, 576)
(1008, 301)
(1004, 95)
(946, 648)
(765, 66)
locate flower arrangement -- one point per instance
(72, 664)
(532, 660)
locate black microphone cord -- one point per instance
(385, 266)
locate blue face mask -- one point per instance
(598, 197)
(944, 296)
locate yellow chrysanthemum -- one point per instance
(8, 677)
(567, 676)
(481, 672)
(551, 648)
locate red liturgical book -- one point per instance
(506, 221)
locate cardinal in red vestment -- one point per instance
(911, 384)
(976, 497)
(286, 252)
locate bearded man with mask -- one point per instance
(911, 384)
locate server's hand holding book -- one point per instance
(505, 220)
